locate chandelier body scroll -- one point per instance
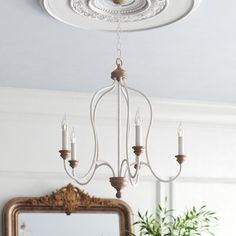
(127, 168)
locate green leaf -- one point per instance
(192, 222)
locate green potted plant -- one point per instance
(163, 223)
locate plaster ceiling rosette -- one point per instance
(134, 15)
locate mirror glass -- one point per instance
(78, 224)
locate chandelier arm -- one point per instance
(124, 93)
(77, 179)
(133, 179)
(133, 164)
(123, 162)
(126, 98)
(118, 128)
(92, 119)
(108, 165)
(122, 166)
(93, 106)
(158, 178)
(147, 136)
(164, 180)
(109, 89)
(131, 176)
(93, 115)
(150, 121)
(127, 101)
(128, 165)
(92, 175)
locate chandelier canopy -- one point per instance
(135, 14)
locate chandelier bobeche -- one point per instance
(128, 169)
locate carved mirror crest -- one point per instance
(68, 211)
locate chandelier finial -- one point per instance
(119, 73)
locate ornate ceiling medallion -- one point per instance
(134, 14)
(131, 11)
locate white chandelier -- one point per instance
(127, 170)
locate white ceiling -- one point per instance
(192, 59)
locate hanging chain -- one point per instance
(118, 38)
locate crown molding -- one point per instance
(45, 103)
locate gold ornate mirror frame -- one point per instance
(69, 199)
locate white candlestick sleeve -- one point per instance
(73, 151)
(138, 129)
(180, 145)
(138, 132)
(73, 146)
(65, 137)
